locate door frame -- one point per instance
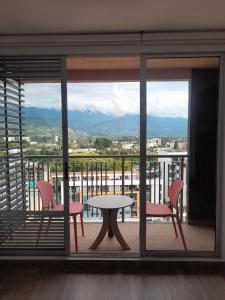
(64, 110)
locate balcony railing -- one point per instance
(105, 174)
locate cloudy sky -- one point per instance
(165, 99)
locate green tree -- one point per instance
(102, 143)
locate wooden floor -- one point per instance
(38, 284)
(159, 237)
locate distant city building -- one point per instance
(14, 151)
(177, 145)
(78, 150)
(26, 138)
(127, 145)
(56, 138)
(53, 146)
(136, 147)
(71, 150)
(153, 142)
(12, 138)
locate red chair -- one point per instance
(47, 195)
(170, 209)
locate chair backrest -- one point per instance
(174, 192)
(47, 193)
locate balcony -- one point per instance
(90, 176)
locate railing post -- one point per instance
(34, 192)
(182, 194)
(114, 178)
(74, 184)
(131, 175)
(123, 164)
(28, 176)
(56, 183)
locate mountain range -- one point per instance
(96, 124)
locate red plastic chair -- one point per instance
(47, 195)
(170, 209)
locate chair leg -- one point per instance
(82, 223)
(174, 226)
(49, 221)
(40, 230)
(75, 232)
(181, 232)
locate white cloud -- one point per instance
(43, 95)
(116, 99)
(166, 99)
(167, 102)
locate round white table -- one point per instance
(109, 205)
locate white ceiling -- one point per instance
(102, 16)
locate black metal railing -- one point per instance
(105, 174)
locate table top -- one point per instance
(110, 201)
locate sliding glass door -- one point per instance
(103, 112)
(179, 104)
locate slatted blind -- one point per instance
(20, 228)
(28, 69)
(12, 186)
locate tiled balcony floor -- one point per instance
(159, 237)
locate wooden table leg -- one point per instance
(110, 224)
(116, 231)
(103, 231)
(110, 232)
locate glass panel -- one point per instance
(182, 114)
(44, 154)
(103, 111)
